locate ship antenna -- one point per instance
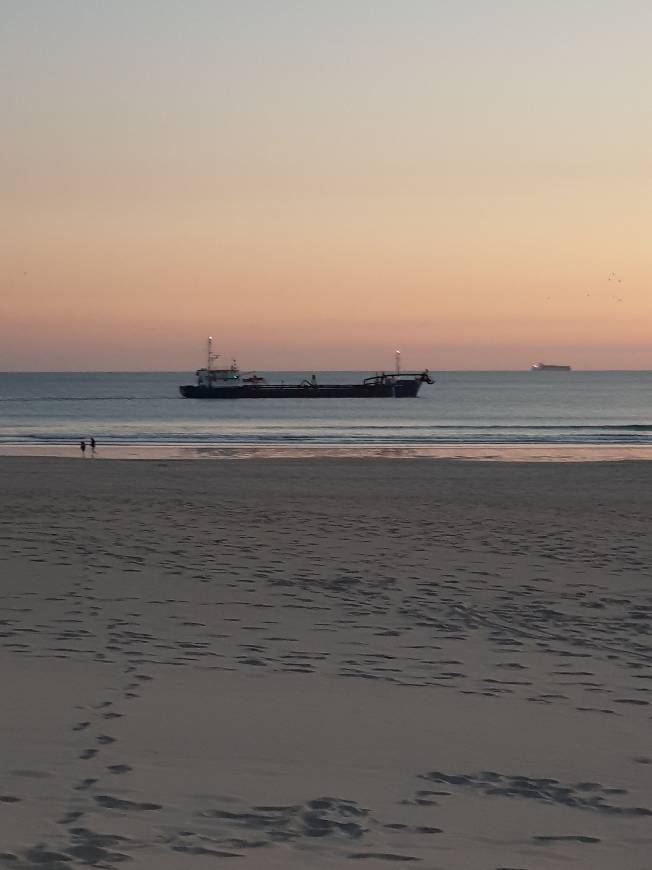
(397, 357)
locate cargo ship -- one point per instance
(231, 383)
(547, 367)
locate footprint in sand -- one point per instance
(72, 816)
(566, 839)
(114, 803)
(119, 768)
(382, 856)
(88, 753)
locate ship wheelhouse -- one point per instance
(210, 377)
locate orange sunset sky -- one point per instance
(318, 183)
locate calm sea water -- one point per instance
(509, 408)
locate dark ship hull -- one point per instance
(375, 388)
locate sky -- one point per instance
(318, 182)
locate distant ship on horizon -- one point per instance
(548, 367)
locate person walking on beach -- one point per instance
(82, 447)
(92, 447)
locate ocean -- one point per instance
(461, 408)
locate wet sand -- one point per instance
(300, 663)
(475, 452)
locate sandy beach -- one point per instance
(298, 663)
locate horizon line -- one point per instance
(290, 371)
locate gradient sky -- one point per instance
(317, 182)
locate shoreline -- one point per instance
(459, 452)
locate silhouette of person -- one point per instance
(92, 447)
(82, 447)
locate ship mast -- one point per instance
(211, 356)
